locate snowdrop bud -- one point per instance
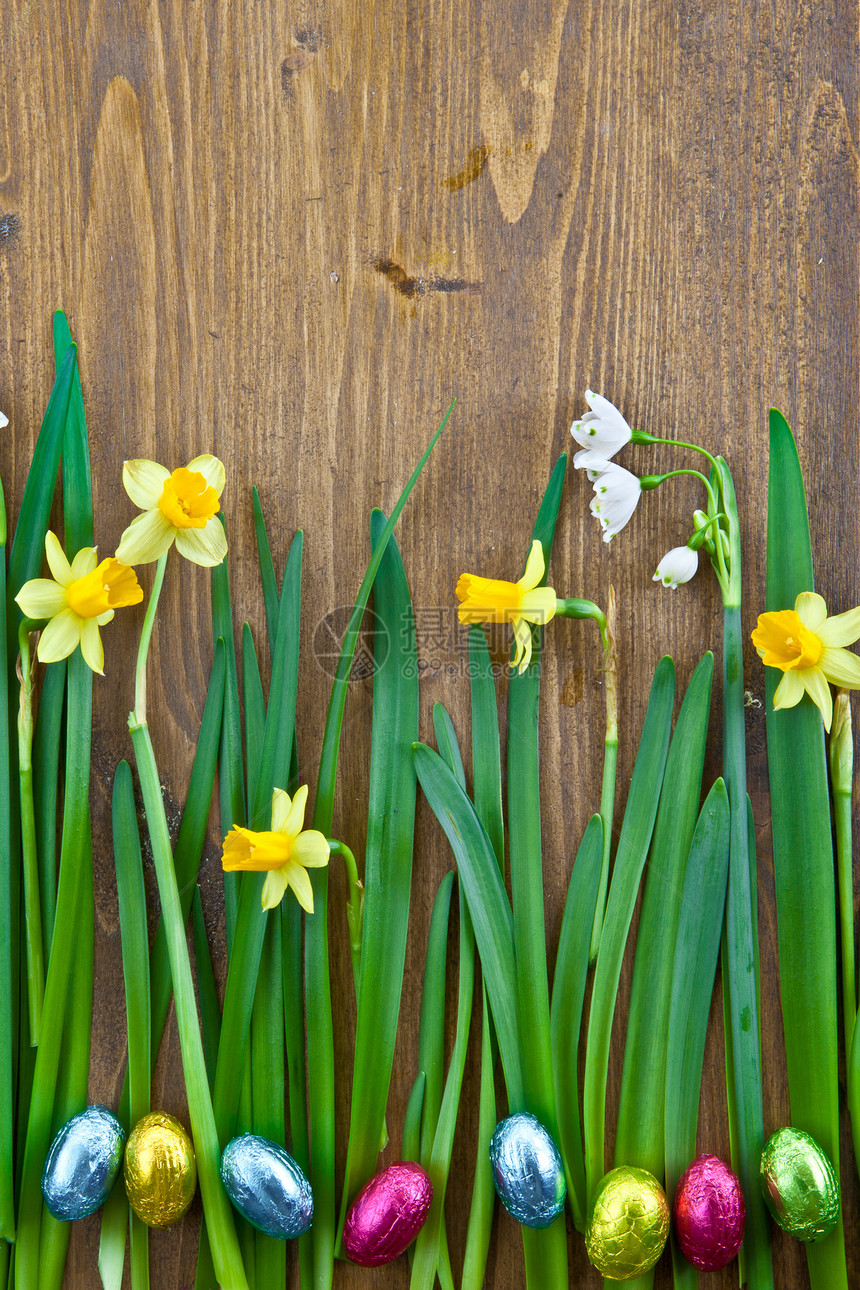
(677, 566)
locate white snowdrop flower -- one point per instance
(600, 433)
(616, 496)
(677, 566)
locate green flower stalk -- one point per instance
(841, 753)
(32, 907)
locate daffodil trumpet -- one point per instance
(29, 850)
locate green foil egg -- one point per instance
(629, 1224)
(160, 1170)
(799, 1185)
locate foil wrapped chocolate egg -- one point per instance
(267, 1186)
(387, 1214)
(799, 1185)
(82, 1163)
(709, 1214)
(527, 1170)
(629, 1224)
(160, 1170)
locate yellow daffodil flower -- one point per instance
(808, 647)
(287, 851)
(78, 600)
(180, 507)
(490, 600)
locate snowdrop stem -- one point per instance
(640, 436)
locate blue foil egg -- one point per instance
(82, 1164)
(527, 1170)
(267, 1186)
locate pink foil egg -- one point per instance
(387, 1214)
(709, 1214)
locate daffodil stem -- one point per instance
(32, 908)
(841, 756)
(145, 636)
(355, 906)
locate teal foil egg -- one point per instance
(82, 1164)
(799, 1185)
(267, 1186)
(527, 1170)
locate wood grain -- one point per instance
(289, 234)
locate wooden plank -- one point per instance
(290, 233)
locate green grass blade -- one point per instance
(446, 741)
(486, 753)
(320, 1038)
(47, 743)
(803, 856)
(640, 1139)
(388, 863)
(487, 901)
(697, 948)
(28, 544)
(429, 1242)
(267, 1082)
(207, 990)
(294, 1023)
(568, 994)
(431, 1028)
(135, 963)
(77, 479)
(9, 930)
(271, 597)
(71, 897)
(483, 1192)
(251, 918)
(255, 711)
(231, 774)
(409, 1146)
(639, 816)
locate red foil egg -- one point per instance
(709, 1214)
(387, 1214)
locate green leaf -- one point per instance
(568, 993)
(388, 862)
(431, 1027)
(639, 1138)
(802, 855)
(697, 948)
(487, 901)
(486, 754)
(642, 802)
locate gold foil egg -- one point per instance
(629, 1224)
(160, 1170)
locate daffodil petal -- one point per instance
(311, 849)
(842, 629)
(296, 816)
(273, 888)
(523, 639)
(815, 684)
(105, 617)
(212, 470)
(538, 606)
(789, 691)
(60, 638)
(841, 667)
(144, 482)
(57, 562)
(206, 547)
(41, 598)
(84, 562)
(146, 539)
(91, 646)
(535, 568)
(811, 609)
(298, 879)
(280, 810)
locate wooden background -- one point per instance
(290, 232)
